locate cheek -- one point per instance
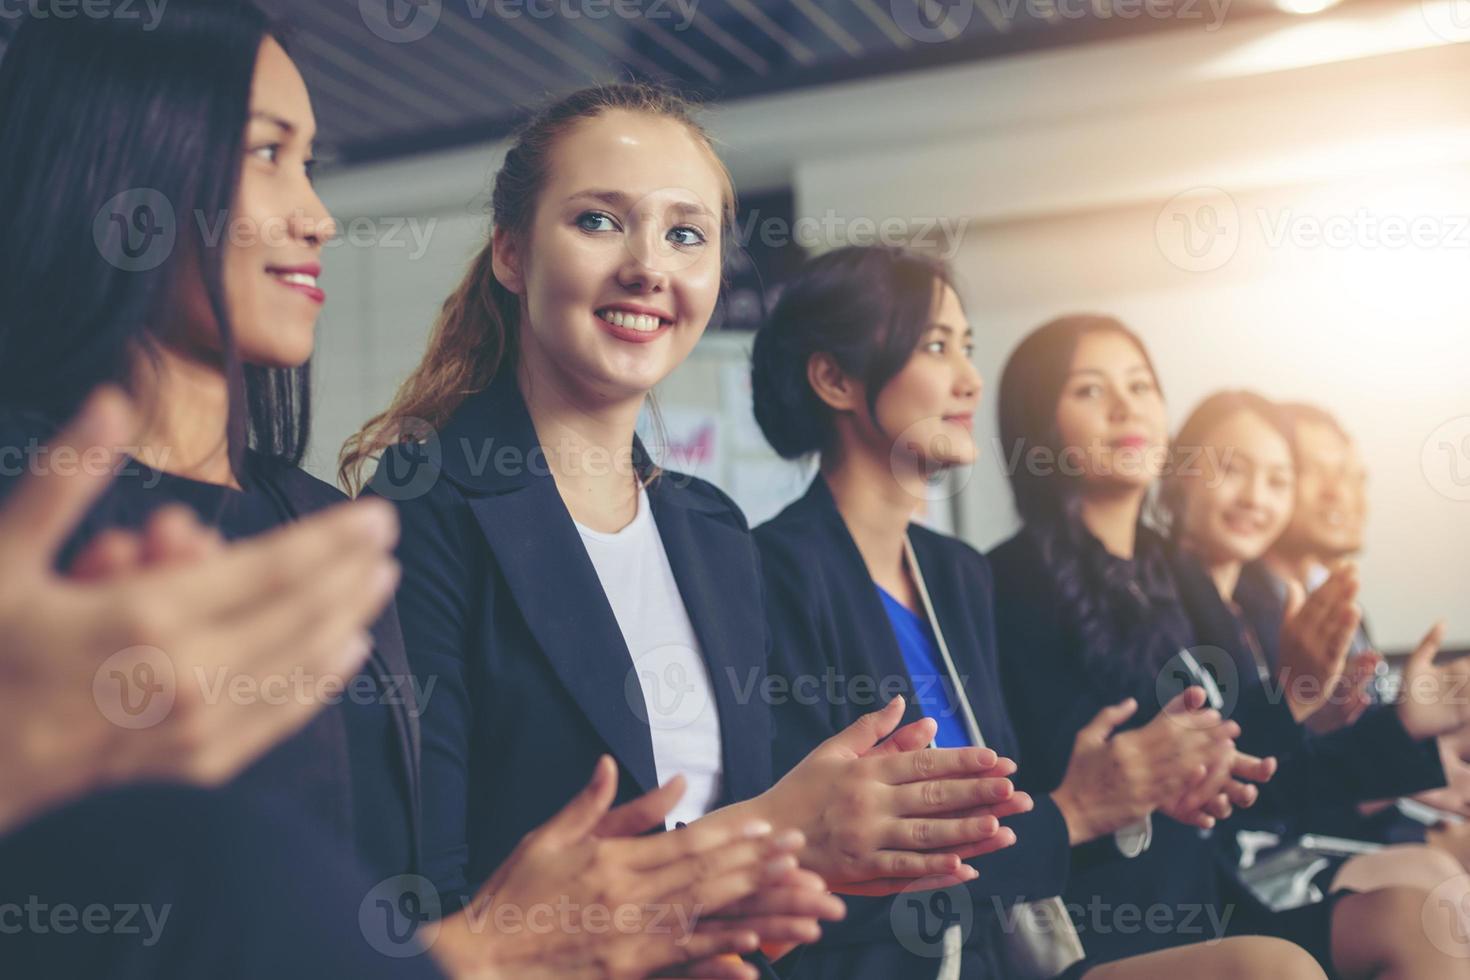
(1079, 425)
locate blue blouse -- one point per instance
(932, 687)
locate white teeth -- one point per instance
(630, 321)
(296, 278)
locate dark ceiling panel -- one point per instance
(393, 77)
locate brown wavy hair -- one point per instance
(476, 333)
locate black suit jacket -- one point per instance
(503, 611)
(353, 770)
(835, 658)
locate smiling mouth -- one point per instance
(640, 322)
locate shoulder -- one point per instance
(957, 557)
(701, 495)
(305, 492)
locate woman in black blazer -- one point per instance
(603, 271)
(1223, 511)
(211, 338)
(865, 343)
(1089, 610)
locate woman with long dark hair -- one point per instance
(1088, 610)
(865, 361)
(171, 244)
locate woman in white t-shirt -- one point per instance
(568, 600)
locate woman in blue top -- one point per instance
(866, 360)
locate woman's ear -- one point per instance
(831, 384)
(505, 261)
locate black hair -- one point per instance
(1098, 602)
(866, 307)
(111, 127)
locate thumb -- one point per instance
(914, 735)
(869, 730)
(47, 506)
(1423, 656)
(578, 818)
(1192, 698)
(1296, 597)
(1105, 721)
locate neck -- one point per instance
(1111, 514)
(876, 507)
(588, 446)
(1291, 565)
(185, 408)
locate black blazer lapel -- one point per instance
(714, 565)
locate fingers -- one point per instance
(722, 967)
(758, 861)
(1241, 795)
(174, 534)
(1428, 648)
(936, 796)
(1004, 838)
(929, 764)
(1296, 597)
(577, 819)
(643, 814)
(914, 735)
(862, 735)
(707, 836)
(1107, 720)
(893, 886)
(1249, 767)
(939, 834)
(47, 506)
(911, 865)
(109, 553)
(703, 946)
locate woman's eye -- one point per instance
(934, 347)
(1089, 391)
(686, 235)
(595, 221)
(310, 167)
(970, 350)
(269, 153)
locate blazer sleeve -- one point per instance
(1372, 759)
(439, 600)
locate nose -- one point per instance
(312, 223)
(968, 381)
(641, 275)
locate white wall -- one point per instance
(1061, 168)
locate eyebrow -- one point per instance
(1102, 374)
(266, 117)
(621, 201)
(949, 331)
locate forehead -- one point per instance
(1252, 436)
(278, 89)
(1107, 351)
(648, 158)
(1319, 444)
(948, 310)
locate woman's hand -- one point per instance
(101, 673)
(1435, 698)
(879, 818)
(1316, 633)
(1349, 696)
(631, 906)
(1183, 763)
